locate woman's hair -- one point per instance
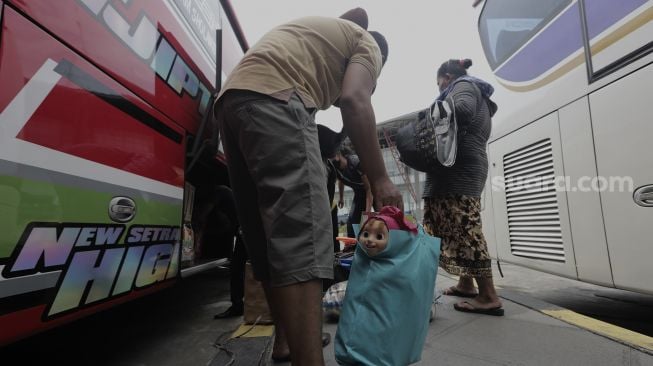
(382, 43)
(455, 68)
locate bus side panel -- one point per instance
(487, 218)
(530, 214)
(623, 126)
(71, 140)
(142, 44)
(585, 212)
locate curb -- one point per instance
(613, 332)
(618, 334)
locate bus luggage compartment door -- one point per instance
(623, 126)
(530, 213)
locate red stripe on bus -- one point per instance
(88, 127)
(91, 37)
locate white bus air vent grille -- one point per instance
(533, 213)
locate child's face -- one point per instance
(374, 237)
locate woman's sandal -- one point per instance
(498, 311)
(453, 291)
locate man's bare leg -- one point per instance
(280, 348)
(297, 312)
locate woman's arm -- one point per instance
(360, 125)
(465, 100)
(341, 190)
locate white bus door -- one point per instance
(623, 127)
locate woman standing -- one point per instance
(452, 196)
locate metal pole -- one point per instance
(218, 60)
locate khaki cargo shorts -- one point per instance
(279, 183)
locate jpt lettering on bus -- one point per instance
(147, 43)
(95, 265)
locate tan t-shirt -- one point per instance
(307, 56)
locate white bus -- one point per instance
(570, 184)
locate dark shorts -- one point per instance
(279, 183)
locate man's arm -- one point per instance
(368, 193)
(359, 122)
(341, 189)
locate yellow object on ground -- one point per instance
(249, 331)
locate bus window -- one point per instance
(618, 33)
(507, 25)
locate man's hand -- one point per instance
(386, 194)
(341, 204)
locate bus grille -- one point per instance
(533, 213)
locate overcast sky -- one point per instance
(421, 35)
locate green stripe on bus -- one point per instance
(23, 201)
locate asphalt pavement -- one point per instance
(176, 327)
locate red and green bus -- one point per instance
(104, 147)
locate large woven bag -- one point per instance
(431, 139)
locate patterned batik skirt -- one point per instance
(456, 220)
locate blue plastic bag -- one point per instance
(385, 315)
